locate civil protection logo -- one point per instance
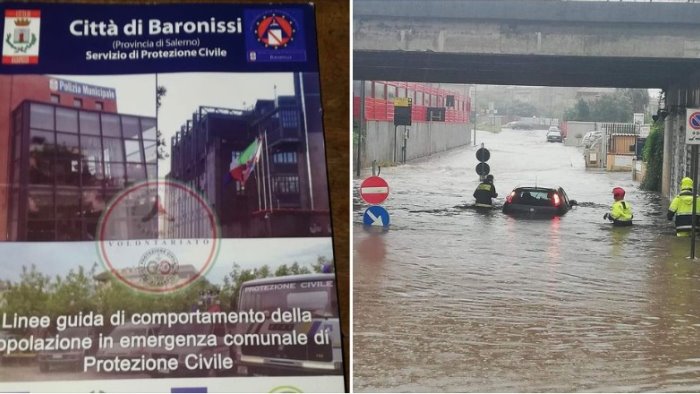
(158, 236)
(275, 30)
(21, 37)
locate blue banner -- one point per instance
(118, 38)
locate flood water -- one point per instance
(454, 299)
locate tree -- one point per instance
(73, 294)
(30, 296)
(236, 278)
(322, 262)
(653, 155)
(161, 152)
(639, 99)
(610, 107)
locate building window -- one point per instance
(99, 105)
(133, 151)
(89, 123)
(130, 127)
(78, 103)
(72, 165)
(110, 125)
(285, 184)
(151, 150)
(284, 158)
(41, 117)
(66, 120)
(42, 151)
(112, 149)
(135, 172)
(148, 129)
(56, 99)
(289, 119)
(379, 90)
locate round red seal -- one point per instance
(158, 236)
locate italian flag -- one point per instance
(242, 167)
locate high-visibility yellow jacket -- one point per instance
(484, 193)
(682, 208)
(621, 211)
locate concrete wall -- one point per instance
(424, 140)
(574, 128)
(529, 27)
(677, 154)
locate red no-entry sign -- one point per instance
(374, 190)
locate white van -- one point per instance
(312, 293)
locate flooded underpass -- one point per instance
(456, 299)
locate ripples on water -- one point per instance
(453, 298)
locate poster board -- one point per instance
(166, 209)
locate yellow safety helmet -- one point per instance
(686, 184)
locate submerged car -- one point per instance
(538, 201)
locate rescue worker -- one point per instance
(682, 208)
(621, 211)
(485, 192)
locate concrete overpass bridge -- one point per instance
(541, 43)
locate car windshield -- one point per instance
(539, 197)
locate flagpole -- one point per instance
(257, 182)
(306, 137)
(269, 175)
(262, 172)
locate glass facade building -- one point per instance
(286, 194)
(67, 163)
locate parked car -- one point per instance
(554, 136)
(17, 357)
(70, 358)
(538, 201)
(129, 329)
(518, 125)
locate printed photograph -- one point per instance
(279, 291)
(525, 196)
(252, 145)
(70, 145)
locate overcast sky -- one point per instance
(57, 258)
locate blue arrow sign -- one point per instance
(376, 216)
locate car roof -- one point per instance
(536, 188)
(289, 278)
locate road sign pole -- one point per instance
(393, 158)
(361, 126)
(694, 159)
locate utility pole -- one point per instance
(473, 111)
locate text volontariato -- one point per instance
(153, 27)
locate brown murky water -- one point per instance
(452, 299)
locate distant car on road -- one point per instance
(554, 135)
(517, 125)
(538, 201)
